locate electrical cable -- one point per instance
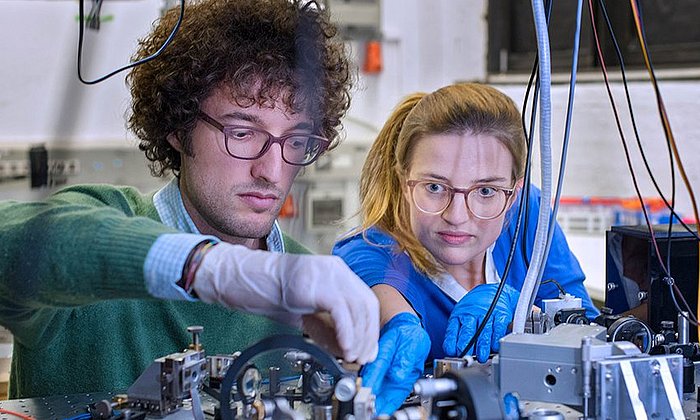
(668, 204)
(522, 207)
(565, 145)
(670, 281)
(667, 126)
(688, 316)
(502, 283)
(691, 317)
(532, 122)
(662, 108)
(16, 414)
(664, 267)
(532, 280)
(83, 416)
(556, 283)
(81, 32)
(93, 19)
(622, 136)
(529, 135)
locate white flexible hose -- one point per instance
(531, 283)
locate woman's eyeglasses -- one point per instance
(483, 201)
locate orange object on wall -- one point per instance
(373, 57)
(288, 209)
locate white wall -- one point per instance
(430, 44)
(426, 44)
(596, 164)
(41, 99)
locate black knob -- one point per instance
(667, 325)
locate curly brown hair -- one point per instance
(263, 51)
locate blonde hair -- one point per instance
(458, 108)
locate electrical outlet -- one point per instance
(64, 167)
(14, 169)
(72, 167)
(21, 168)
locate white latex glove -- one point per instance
(286, 286)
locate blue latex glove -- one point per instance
(469, 313)
(403, 347)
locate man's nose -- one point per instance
(270, 165)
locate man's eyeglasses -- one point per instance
(250, 143)
(483, 201)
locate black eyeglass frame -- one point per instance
(271, 139)
(465, 191)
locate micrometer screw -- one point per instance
(195, 330)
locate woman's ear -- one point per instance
(174, 142)
(405, 189)
(516, 190)
(519, 185)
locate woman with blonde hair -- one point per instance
(439, 193)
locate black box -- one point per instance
(634, 278)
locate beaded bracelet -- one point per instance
(194, 260)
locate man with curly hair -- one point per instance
(98, 281)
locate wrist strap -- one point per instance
(194, 260)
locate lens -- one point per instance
(486, 202)
(244, 143)
(431, 197)
(301, 150)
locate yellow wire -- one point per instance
(669, 135)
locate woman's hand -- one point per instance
(403, 347)
(469, 313)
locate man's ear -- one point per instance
(174, 142)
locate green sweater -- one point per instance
(72, 293)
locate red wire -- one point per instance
(622, 137)
(667, 128)
(12, 413)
